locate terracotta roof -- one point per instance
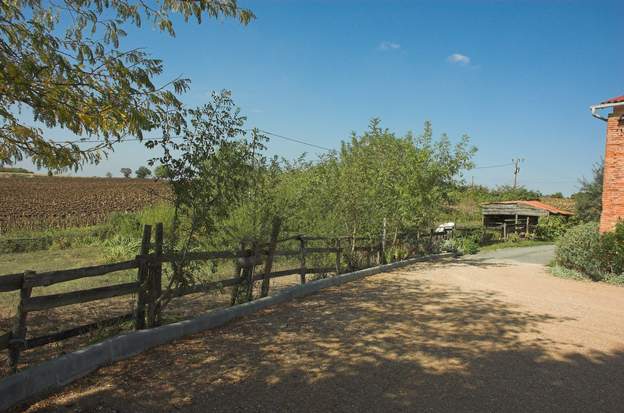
(618, 99)
(538, 205)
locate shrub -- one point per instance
(579, 249)
(611, 252)
(120, 248)
(449, 245)
(551, 228)
(469, 245)
(601, 257)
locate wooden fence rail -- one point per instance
(148, 284)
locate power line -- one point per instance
(287, 138)
(493, 166)
(277, 135)
(301, 141)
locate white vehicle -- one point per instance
(444, 228)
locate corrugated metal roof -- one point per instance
(535, 204)
(618, 99)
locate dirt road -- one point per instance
(542, 254)
(456, 336)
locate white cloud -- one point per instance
(389, 46)
(458, 58)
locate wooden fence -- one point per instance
(522, 228)
(148, 285)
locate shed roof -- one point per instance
(534, 204)
(618, 99)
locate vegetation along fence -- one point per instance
(148, 286)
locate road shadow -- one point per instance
(391, 343)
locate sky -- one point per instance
(518, 77)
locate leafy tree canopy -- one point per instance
(143, 172)
(161, 172)
(126, 172)
(589, 199)
(509, 193)
(405, 179)
(62, 65)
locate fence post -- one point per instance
(142, 278)
(338, 253)
(369, 251)
(243, 291)
(505, 231)
(155, 280)
(268, 264)
(18, 334)
(527, 228)
(250, 269)
(302, 261)
(237, 273)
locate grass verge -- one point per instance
(563, 272)
(518, 244)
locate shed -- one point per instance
(518, 216)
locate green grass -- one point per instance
(51, 260)
(563, 272)
(524, 243)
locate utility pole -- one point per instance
(516, 163)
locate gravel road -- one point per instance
(542, 254)
(465, 335)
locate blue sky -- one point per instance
(516, 76)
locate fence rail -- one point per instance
(148, 285)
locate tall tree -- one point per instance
(210, 163)
(62, 65)
(589, 199)
(142, 172)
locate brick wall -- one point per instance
(613, 187)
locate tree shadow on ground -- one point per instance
(391, 343)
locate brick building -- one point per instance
(613, 186)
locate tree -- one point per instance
(210, 161)
(589, 199)
(109, 175)
(126, 172)
(161, 172)
(510, 193)
(143, 172)
(63, 61)
(407, 180)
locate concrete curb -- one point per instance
(54, 374)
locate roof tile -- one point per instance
(618, 99)
(538, 205)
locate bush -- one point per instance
(580, 249)
(551, 228)
(469, 245)
(611, 253)
(583, 249)
(450, 245)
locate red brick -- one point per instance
(613, 187)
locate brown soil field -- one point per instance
(42, 202)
